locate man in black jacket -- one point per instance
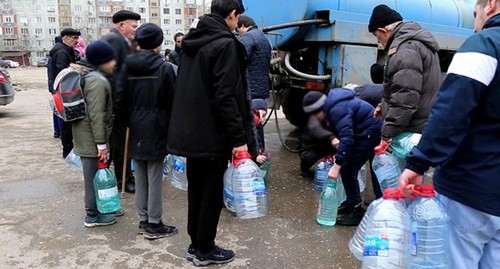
(120, 38)
(175, 55)
(211, 118)
(61, 55)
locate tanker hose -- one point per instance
(301, 74)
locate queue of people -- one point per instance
(164, 109)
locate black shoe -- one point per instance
(345, 208)
(160, 230)
(142, 226)
(191, 253)
(353, 218)
(57, 135)
(307, 174)
(216, 256)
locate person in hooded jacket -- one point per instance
(358, 132)
(412, 74)
(148, 83)
(91, 135)
(211, 119)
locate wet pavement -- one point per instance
(41, 207)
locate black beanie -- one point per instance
(313, 102)
(382, 16)
(99, 52)
(149, 36)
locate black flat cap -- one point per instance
(124, 15)
(70, 31)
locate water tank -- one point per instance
(444, 14)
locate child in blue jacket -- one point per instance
(351, 119)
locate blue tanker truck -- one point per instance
(320, 44)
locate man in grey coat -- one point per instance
(120, 38)
(412, 73)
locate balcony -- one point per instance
(9, 36)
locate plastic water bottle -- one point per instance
(179, 178)
(167, 166)
(228, 188)
(429, 230)
(386, 167)
(357, 242)
(362, 178)
(106, 191)
(403, 143)
(328, 205)
(342, 196)
(386, 235)
(74, 160)
(249, 188)
(321, 175)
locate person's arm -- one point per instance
(471, 71)
(344, 124)
(248, 42)
(62, 59)
(226, 77)
(406, 68)
(96, 98)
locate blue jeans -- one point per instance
(474, 237)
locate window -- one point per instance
(38, 19)
(39, 43)
(154, 15)
(38, 31)
(143, 20)
(8, 42)
(130, 8)
(52, 19)
(40, 54)
(52, 31)
(104, 8)
(166, 21)
(104, 31)
(92, 21)
(78, 8)
(8, 19)
(78, 20)
(142, 10)
(178, 21)
(25, 31)
(116, 9)
(167, 32)
(178, 11)
(9, 31)
(104, 20)
(166, 11)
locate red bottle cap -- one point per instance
(101, 164)
(240, 155)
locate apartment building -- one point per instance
(28, 27)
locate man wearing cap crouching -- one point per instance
(61, 56)
(120, 38)
(412, 73)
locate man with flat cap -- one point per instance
(120, 38)
(61, 55)
(412, 74)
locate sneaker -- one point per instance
(160, 230)
(345, 209)
(99, 220)
(216, 256)
(191, 253)
(353, 218)
(120, 212)
(142, 226)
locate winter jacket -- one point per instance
(175, 56)
(258, 51)
(211, 113)
(351, 118)
(411, 79)
(120, 45)
(148, 83)
(61, 56)
(371, 93)
(462, 136)
(95, 128)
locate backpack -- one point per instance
(68, 100)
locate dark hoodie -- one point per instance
(211, 112)
(352, 120)
(148, 83)
(411, 79)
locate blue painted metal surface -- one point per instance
(450, 20)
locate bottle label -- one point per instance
(259, 188)
(107, 192)
(376, 245)
(179, 165)
(413, 239)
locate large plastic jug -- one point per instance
(321, 174)
(106, 191)
(179, 177)
(328, 204)
(387, 232)
(249, 188)
(429, 230)
(386, 167)
(357, 242)
(228, 188)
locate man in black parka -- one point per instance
(211, 118)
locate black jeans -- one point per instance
(205, 187)
(363, 150)
(66, 137)
(117, 151)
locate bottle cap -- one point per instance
(101, 165)
(424, 191)
(392, 193)
(240, 155)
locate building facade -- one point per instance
(29, 27)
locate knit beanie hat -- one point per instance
(149, 36)
(99, 52)
(313, 102)
(382, 16)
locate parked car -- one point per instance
(4, 63)
(42, 62)
(7, 92)
(12, 64)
